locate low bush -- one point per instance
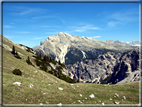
(17, 56)
(53, 61)
(17, 72)
(28, 61)
(62, 65)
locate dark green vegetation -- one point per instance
(17, 72)
(28, 48)
(15, 53)
(28, 61)
(75, 54)
(45, 86)
(44, 64)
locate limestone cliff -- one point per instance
(70, 49)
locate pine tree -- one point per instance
(40, 55)
(13, 51)
(50, 59)
(28, 61)
(45, 58)
(59, 62)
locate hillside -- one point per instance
(40, 87)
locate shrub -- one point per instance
(53, 61)
(17, 72)
(63, 65)
(17, 56)
(44, 68)
(29, 62)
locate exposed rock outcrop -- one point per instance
(107, 68)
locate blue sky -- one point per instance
(29, 23)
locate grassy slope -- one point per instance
(44, 93)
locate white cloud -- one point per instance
(45, 26)
(126, 16)
(96, 36)
(7, 26)
(26, 12)
(9, 36)
(51, 26)
(42, 17)
(23, 32)
(85, 28)
(23, 10)
(112, 24)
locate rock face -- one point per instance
(107, 68)
(90, 60)
(70, 49)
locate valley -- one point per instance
(37, 86)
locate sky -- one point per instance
(30, 23)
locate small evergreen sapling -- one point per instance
(28, 61)
(13, 51)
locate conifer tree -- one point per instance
(13, 51)
(28, 61)
(50, 59)
(40, 55)
(59, 62)
(45, 58)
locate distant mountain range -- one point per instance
(133, 43)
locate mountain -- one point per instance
(90, 60)
(70, 49)
(34, 85)
(133, 43)
(109, 67)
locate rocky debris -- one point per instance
(17, 83)
(92, 96)
(60, 104)
(60, 88)
(107, 68)
(135, 76)
(31, 85)
(7, 47)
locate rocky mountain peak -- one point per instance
(64, 47)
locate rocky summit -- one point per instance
(70, 49)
